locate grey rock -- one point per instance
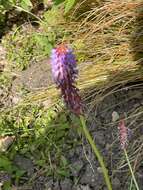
(81, 187)
(94, 179)
(79, 150)
(71, 153)
(49, 184)
(100, 138)
(76, 167)
(84, 187)
(24, 164)
(76, 154)
(35, 76)
(66, 184)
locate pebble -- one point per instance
(93, 179)
(84, 187)
(76, 167)
(100, 138)
(115, 116)
(16, 99)
(66, 184)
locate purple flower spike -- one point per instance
(64, 73)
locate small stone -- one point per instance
(84, 187)
(66, 184)
(71, 153)
(99, 170)
(100, 138)
(115, 116)
(16, 100)
(76, 167)
(79, 150)
(88, 177)
(5, 142)
(24, 164)
(93, 179)
(108, 146)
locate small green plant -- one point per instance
(7, 6)
(41, 135)
(53, 25)
(27, 46)
(7, 166)
(20, 48)
(24, 48)
(68, 4)
(5, 80)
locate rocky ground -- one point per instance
(85, 172)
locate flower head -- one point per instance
(123, 133)
(64, 73)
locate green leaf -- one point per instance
(26, 5)
(5, 164)
(40, 162)
(57, 2)
(64, 161)
(68, 5)
(43, 43)
(19, 173)
(7, 185)
(63, 172)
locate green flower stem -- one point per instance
(96, 152)
(130, 167)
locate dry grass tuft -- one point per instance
(107, 38)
